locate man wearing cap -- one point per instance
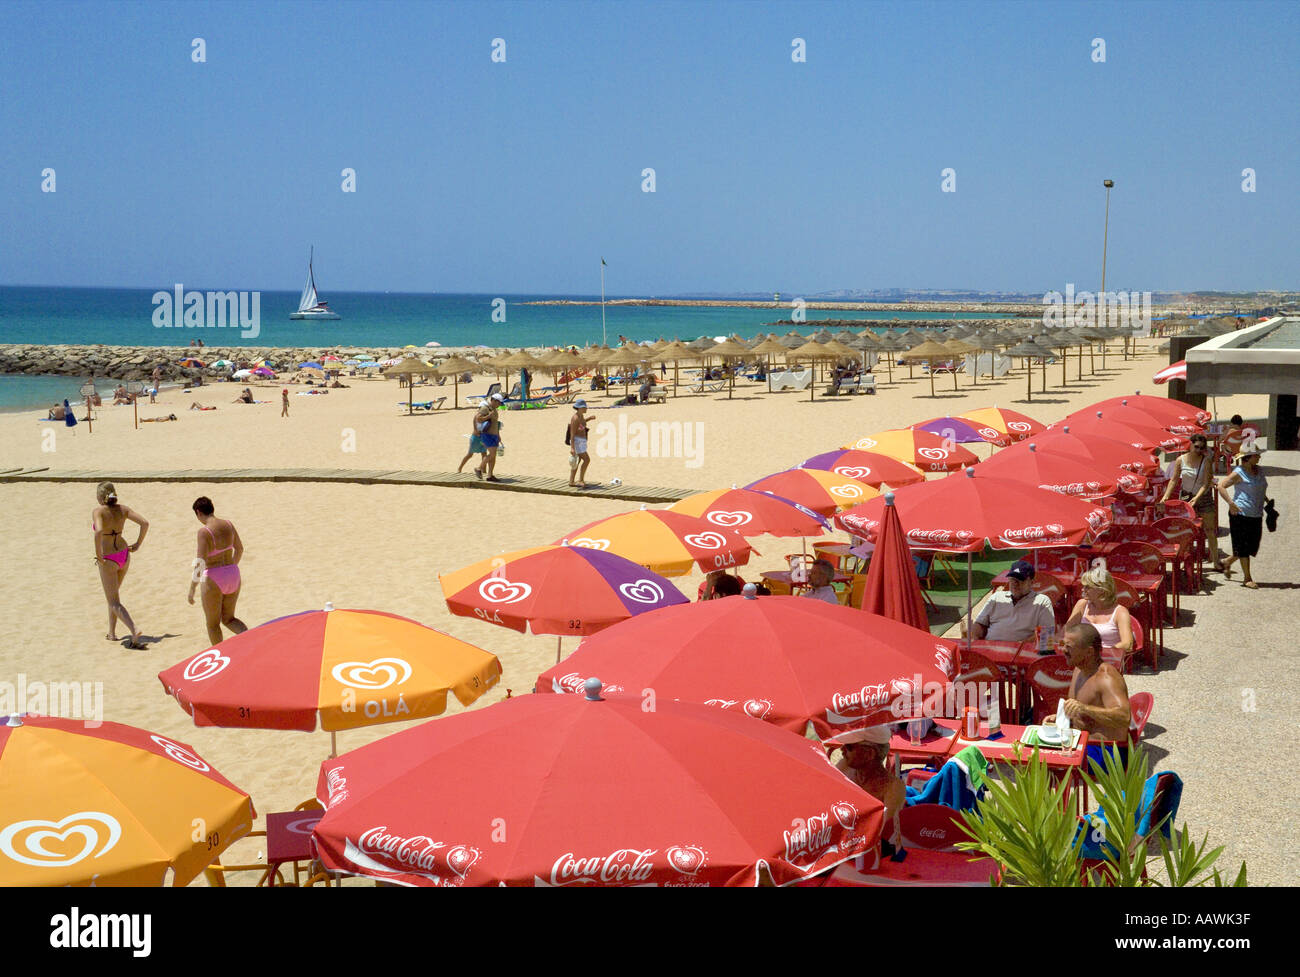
(1014, 613)
(578, 457)
(488, 424)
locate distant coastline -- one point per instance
(1001, 308)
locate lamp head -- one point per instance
(1107, 183)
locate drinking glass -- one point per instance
(915, 730)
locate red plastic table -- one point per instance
(288, 838)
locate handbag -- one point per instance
(1270, 515)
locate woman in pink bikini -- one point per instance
(1100, 608)
(113, 555)
(216, 569)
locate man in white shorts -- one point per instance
(578, 457)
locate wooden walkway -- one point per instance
(520, 483)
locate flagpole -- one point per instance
(603, 337)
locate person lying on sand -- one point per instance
(156, 420)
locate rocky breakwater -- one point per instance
(139, 362)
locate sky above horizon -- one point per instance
(518, 176)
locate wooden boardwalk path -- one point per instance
(519, 483)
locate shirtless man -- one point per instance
(863, 758)
(1098, 698)
(579, 459)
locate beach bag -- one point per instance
(1270, 515)
(568, 435)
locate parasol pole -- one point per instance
(559, 640)
(969, 599)
(334, 746)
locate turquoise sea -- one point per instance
(125, 317)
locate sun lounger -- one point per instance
(707, 386)
(476, 400)
(427, 406)
(564, 398)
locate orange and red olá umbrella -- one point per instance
(926, 451)
(352, 667)
(752, 513)
(786, 660)
(1012, 423)
(823, 492)
(107, 804)
(557, 790)
(867, 466)
(664, 541)
(556, 590)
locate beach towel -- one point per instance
(1094, 824)
(958, 784)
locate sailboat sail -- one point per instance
(308, 300)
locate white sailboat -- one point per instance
(310, 306)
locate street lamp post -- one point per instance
(1104, 318)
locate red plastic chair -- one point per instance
(1181, 530)
(976, 668)
(934, 827)
(1049, 682)
(1048, 583)
(1142, 556)
(1140, 705)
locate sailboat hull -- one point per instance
(312, 314)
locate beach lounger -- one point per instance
(708, 386)
(477, 400)
(564, 398)
(427, 406)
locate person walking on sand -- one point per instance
(113, 555)
(475, 447)
(216, 570)
(284, 402)
(578, 457)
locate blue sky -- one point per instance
(505, 178)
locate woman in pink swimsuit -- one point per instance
(113, 555)
(216, 569)
(1100, 608)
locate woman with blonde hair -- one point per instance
(1100, 608)
(113, 555)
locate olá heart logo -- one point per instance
(26, 841)
(588, 543)
(845, 814)
(499, 590)
(180, 754)
(706, 541)
(849, 471)
(378, 674)
(642, 591)
(727, 519)
(687, 859)
(204, 665)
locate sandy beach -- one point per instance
(382, 547)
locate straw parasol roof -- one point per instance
(457, 365)
(701, 344)
(811, 350)
(730, 348)
(410, 366)
(822, 336)
(841, 350)
(867, 342)
(928, 350)
(792, 339)
(770, 347)
(626, 356)
(676, 351)
(514, 361)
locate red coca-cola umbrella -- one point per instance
(1123, 425)
(758, 656)
(893, 589)
(1104, 452)
(1057, 473)
(958, 514)
(1164, 409)
(551, 790)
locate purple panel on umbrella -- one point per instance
(963, 432)
(825, 462)
(639, 589)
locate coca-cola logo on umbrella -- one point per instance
(758, 708)
(846, 814)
